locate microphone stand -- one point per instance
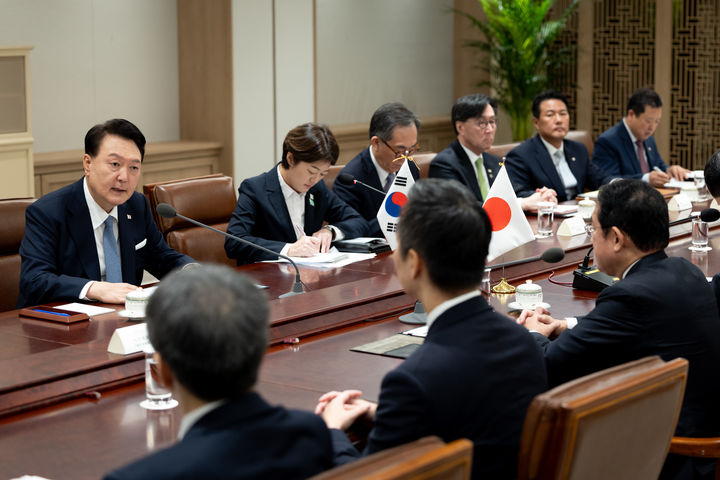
(297, 286)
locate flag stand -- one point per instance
(503, 286)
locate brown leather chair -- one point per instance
(12, 213)
(422, 162)
(616, 423)
(582, 136)
(426, 459)
(332, 174)
(501, 151)
(209, 199)
(698, 447)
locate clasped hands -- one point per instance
(541, 321)
(341, 409)
(543, 194)
(308, 246)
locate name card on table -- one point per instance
(572, 226)
(129, 340)
(679, 203)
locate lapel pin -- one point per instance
(311, 200)
(573, 159)
(129, 217)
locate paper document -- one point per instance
(363, 240)
(678, 184)
(91, 310)
(417, 332)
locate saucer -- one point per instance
(130, 315)
(516, 306)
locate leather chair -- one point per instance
(501, 151)
(584, 137)
(698, 447)
(12, 213)
(209, 199)
(422, 162)
(332, 174)
(426, 459)
(616, 423)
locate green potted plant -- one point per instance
(519, 42)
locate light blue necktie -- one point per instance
(113, 271)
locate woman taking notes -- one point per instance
(284, 209)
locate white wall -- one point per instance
(94, 60)
(371, 52)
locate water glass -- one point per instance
(699, 182)
(157, 395)
(485, 287)
(545, 219)
(699, 242)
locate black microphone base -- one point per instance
(591, 279)
(417, 317)
(297, 290)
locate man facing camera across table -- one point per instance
(467, 159)
(92, 239)
(628, 149)
(430, 393)
(393, 137)
(284, 209)
(209, 328)
(661, 306)
(550, 160)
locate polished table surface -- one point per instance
(84, 437)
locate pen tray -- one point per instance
(53, 314)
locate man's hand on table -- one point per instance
(107, 292)
(341, 409)
(540, 321)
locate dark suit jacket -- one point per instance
(365, 201)
(58, 250)
(664, 306)
(614, 154)
(530, 167)
(474, 377)
(244, 439)
(454, 164)
(261, 216)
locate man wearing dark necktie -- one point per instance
(92, 239)
(628, 149)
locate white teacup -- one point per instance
(586, 208)
(136, 303)
(529, 295)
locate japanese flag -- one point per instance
(510, 228)
(392, 206)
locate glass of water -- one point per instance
(545, 219)
(699, 182)
(699, 242)
(157, 395)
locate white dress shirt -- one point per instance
(381, 172)
(558, 157)
(97, 218)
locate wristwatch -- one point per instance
(332, 231)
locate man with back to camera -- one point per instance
(661, 306)
(712, 181)
(209, 352)
(467, 159)
(549, 160)
(430, 393)
(393, 136)
(628, 149)
(92, 239)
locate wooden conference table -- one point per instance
(52, 423)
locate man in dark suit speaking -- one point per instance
(550, 160)
(92, 239)
(628, 149)
(393, 135)
(209, 327)
(661, 306)
(431, 392)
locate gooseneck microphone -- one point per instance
(710, 215)
(167, 211)
(551, 255)
(347, 179)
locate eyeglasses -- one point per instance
(487, 123)
(402, 155)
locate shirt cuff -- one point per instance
(285, 249)
(571, 322)
(339, 235)
(83, 292)
(646, 177)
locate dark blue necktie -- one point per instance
(113, 271)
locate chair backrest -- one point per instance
(209, 199)
(332, 174)
(582, 136)
(12, 213)
(616, 423)
(426, 459)
(422, 162)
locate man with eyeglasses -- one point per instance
(474, 118)
(393, 139)
(628, 148)
(549, 160)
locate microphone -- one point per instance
(710, 215)
(347, 179)
(551, 255)
(167, 211)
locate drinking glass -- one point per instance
(545, 219)
(157, 395)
